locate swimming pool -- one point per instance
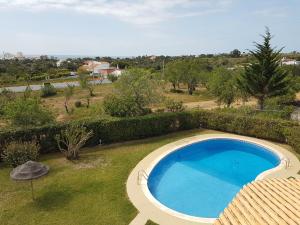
(202, 178)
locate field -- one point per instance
(56, 103)
(201, 98)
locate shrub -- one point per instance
(268, 113)
(112, 77)
(78, 104)
(72, 139)
(27, 112)
(6, 96)
(86, 84)
(68, 93)
(48, 90)
(272, 129)
(177, 91)
(222, 85)
(134, 92)
(160, 110)
(16, 153)
(28, 92)
(174, 106)
(3, 102)
(293, 137)
(123, 107)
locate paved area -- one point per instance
(140, 219)
(37, 87)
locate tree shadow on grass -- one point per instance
(53, 199)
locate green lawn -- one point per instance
(91, 191)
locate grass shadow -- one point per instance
(52, 199)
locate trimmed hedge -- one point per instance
(293, 137)
(125, 129)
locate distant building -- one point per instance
(59, 62)
(153, 57)
(101, 68)
(289, 62)
(117, 72)
(20, 56)
(7, 55)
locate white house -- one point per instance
(101, 68)
(289, 62)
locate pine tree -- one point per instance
(265, 78)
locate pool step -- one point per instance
(142, 176)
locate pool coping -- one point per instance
(143, 200)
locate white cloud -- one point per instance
(133, 11)
(272, 12)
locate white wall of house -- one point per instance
(290, 63)
(117, 72)
(102, 66)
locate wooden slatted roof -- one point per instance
(265, 202)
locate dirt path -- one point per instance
(213, 104)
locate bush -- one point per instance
(268, 113)
(112, 77)
(17, 153)
(123, 107)
(78, 104)
(272, 129)
(72, 139)
(174, 106)
(135, 91)
(293, 137)
(222, 85)
(48, 90)
(27, 112)
(27, 93)
(177, 91)
(6, 96)
(112, 130)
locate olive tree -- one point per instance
(134, 92)
(85, 84)
(68, 93)
(72, 139)
(188, 71)
(223, 86)
(27, 113)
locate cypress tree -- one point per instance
(265, 78)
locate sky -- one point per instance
(145, 27)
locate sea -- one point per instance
(63, 57)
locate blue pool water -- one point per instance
(201, 179)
